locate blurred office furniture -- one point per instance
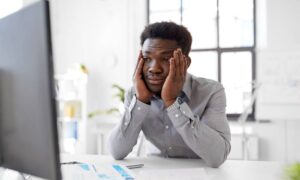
(71, 96)
(246, 137)
(241, 148)
(102, 129)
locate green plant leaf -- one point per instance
(103, 112)
(293, 172)
(120, 95)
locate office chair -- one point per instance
(243, 118)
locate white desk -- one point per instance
(230, 170)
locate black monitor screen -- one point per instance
(28, 130)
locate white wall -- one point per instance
(103, 35)
(100, 34)
(277, 33)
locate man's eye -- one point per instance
(166, 58)
(146, 59)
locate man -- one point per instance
(183, 116)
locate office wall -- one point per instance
(103, 35)
(278, 35)
(278, 59)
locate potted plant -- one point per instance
(120, 95)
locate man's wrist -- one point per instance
(169, 103)
(143, 100)
(175, 105)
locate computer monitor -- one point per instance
(28, 127)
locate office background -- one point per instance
(104, 35)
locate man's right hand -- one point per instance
(142, 92)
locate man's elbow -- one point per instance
(117, 154)
(216, 160)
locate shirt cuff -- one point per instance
(180, 115)
(137, 111)
(140, 108)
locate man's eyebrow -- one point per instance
(169, 51)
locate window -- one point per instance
(223, 46)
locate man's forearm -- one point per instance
(212, 145)
(206, 142)
(121, 143)
(124, 136)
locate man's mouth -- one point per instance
(155, 81)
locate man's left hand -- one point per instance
(175, 79)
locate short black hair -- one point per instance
(170, 31)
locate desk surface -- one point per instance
(230, 170)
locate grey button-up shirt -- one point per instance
(198, 128)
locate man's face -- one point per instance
(156, 54)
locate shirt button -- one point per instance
(167, 127)
(125, 123)
(176, 115)
(139, 108)
(183, 112)
(170, 148)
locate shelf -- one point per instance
(69, 99)
(68, 119)
(71, 90)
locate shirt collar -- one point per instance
(187, 87)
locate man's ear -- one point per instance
(188, 61)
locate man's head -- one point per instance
(158, 41)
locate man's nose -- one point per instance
(155, 66)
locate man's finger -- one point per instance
(185, 65)
(137, 62)
(176, 58)
(139, 69)
(140, 55)
(182, 65)
(179, 63)
(172, 68)
(184, 61)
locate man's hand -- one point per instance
(142, 92)
(175, 79)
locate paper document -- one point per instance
(94, 172)
(174, 174)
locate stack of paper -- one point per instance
(90, 171)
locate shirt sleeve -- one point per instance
(209, 135)
(124, 136)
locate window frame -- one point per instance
(219, 50)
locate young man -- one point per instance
(183, 116)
